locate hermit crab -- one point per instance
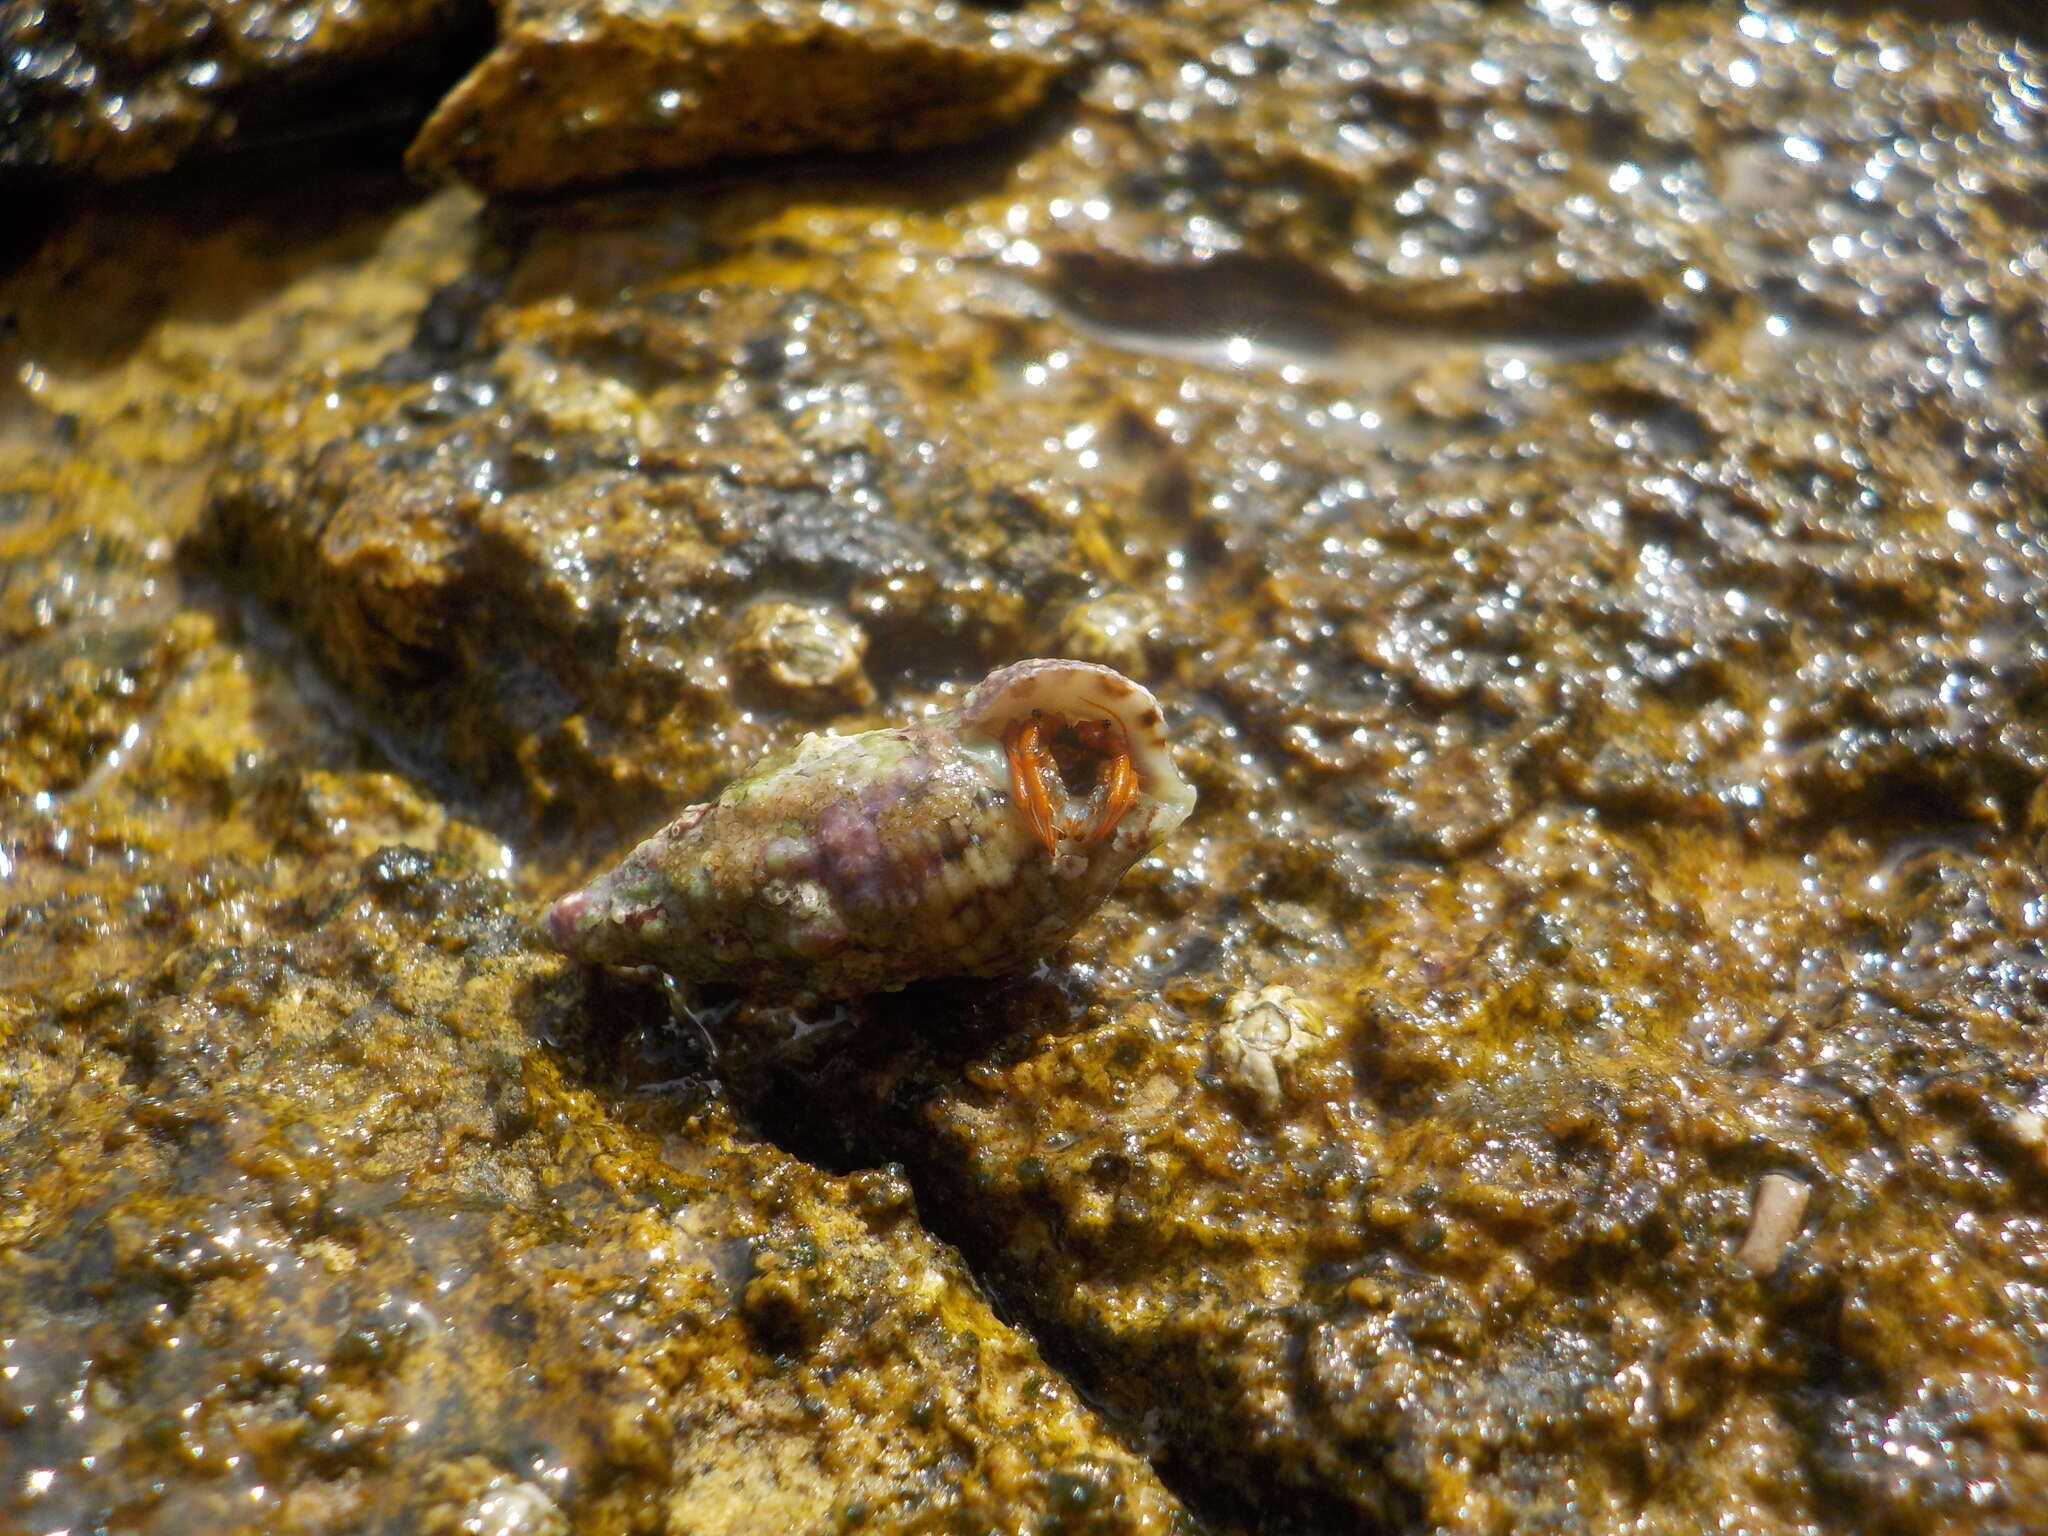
(968, 844)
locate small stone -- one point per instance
(584, 91)
(2026, 1133)
(511, 1508)
(1773, 1222)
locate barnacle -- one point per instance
(967, 844)
(1266, 1036)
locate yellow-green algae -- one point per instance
(348, 1226)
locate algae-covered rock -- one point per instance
(1446, 1212)
(1602, 576)
(593, 90)
(554, 557)
(115, 91)
(333, 1202)
(1574, 477)
(90, 638)
(379, 1222)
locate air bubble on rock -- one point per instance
(1264, 1035)
(667, 106)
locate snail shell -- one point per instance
(968, 844)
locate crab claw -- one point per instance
(1029, 764)
(1141, 794)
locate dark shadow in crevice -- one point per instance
(175, 233)
(844, 1086)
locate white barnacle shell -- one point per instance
(968, 844)
(1264, 1034)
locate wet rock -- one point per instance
(117, 91)
(219, 1212)
(73, 553)
(594, 90)
(1577, 579)
(1114, 630)
(340, 1227)
(1492, 1213)
(584, 514)
(157, 764)
(1582, 470)
(74, 706)
(227, 1213)
(1629, 754)
(90, 640)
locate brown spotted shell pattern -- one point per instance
(968, 844)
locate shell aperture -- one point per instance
(968, 844)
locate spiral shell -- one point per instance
(968, 844)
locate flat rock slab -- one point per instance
(595, 90)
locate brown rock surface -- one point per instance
(587, 518)
(331, 1202)
(377, 1222)
(1577, 478)
(593, 90)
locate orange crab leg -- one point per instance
(1119, 786)
(1028, 764)
(1120, 790)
